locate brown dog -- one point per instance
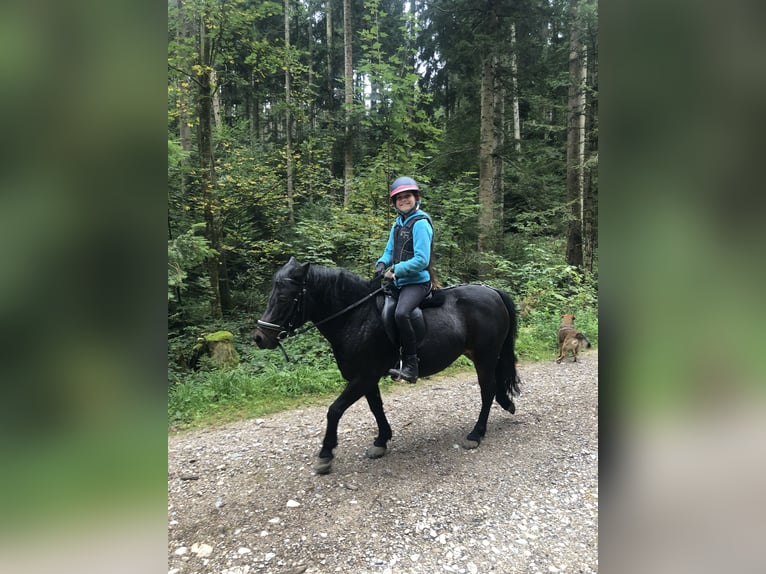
(570, 339)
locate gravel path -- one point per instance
(243, 498)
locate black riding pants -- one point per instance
(410, 296)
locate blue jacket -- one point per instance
(415, 269)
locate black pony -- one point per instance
(473, 320)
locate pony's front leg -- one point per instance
(375, 402)
(348, 397)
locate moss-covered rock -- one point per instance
(219, 346)
(219, 336)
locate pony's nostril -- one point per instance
(258, 339)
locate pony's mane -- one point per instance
(337, 284)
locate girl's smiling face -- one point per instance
(405, 201)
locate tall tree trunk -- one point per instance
(498, 161)
(486, 149)
(348, 147)
(330, 73)
(515, 94)
(575, 138)
(207, 181)
(183, 33)
(310, 51)
(216, 100)
(215, 263)
(288, 118)
(588, 227)
(591, 163)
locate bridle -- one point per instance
(299, 311)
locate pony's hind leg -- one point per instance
(487, 384)
(379, 446)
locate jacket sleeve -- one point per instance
(388, 254)
(421, 243)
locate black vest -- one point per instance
(403, 245)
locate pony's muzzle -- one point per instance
(266, 340)
(260, 338)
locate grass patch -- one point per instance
(217, 397)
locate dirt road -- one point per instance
(243, 498)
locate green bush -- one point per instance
(544, 289)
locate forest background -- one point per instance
(287, 122)
(84, 217)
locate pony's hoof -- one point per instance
(323, 466)
(470, 444)
(376, 451)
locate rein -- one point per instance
(338, 314)
(298, 307)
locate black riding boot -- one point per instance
(409, 370)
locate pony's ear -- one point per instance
(294, 263)
(297, 270)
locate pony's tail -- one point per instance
(506, 377)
